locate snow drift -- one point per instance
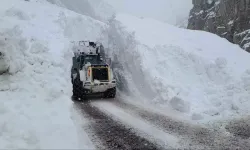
(196, 73)
(35, 90)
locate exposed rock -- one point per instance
(227, 18)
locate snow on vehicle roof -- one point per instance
(86, 46)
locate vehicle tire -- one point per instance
(78, 89)
(110, 93)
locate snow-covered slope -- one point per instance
(97, 9)
(197, 73)
(35, 106)
(175, 12)
(79, 6)
(102, 9)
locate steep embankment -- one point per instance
(196, 73)
(35, 105)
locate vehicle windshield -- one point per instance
(93, 59)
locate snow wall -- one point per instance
(198, 74)
(35, 106)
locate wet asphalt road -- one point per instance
(107, 133)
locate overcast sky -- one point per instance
(164, 10)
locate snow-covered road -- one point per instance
(115, 124)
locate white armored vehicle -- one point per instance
(91, 72)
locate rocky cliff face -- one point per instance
(227, 18)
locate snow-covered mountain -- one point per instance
(97, 9)
(102, 9)
(198, 75)
(173, 12)
(79, 6)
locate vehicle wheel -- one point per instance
(78, 89)
(110, 93)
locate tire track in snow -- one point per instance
(142, 128)
(79, 121)
(196, 134)
(199, 136)
(107, 133)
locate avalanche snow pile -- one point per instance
(196, 73)
(35, 106)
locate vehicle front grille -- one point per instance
(100, 74)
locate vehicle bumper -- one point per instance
(99, 88)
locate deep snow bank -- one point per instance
(35, 106)
(120, 46)
(196, 73)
